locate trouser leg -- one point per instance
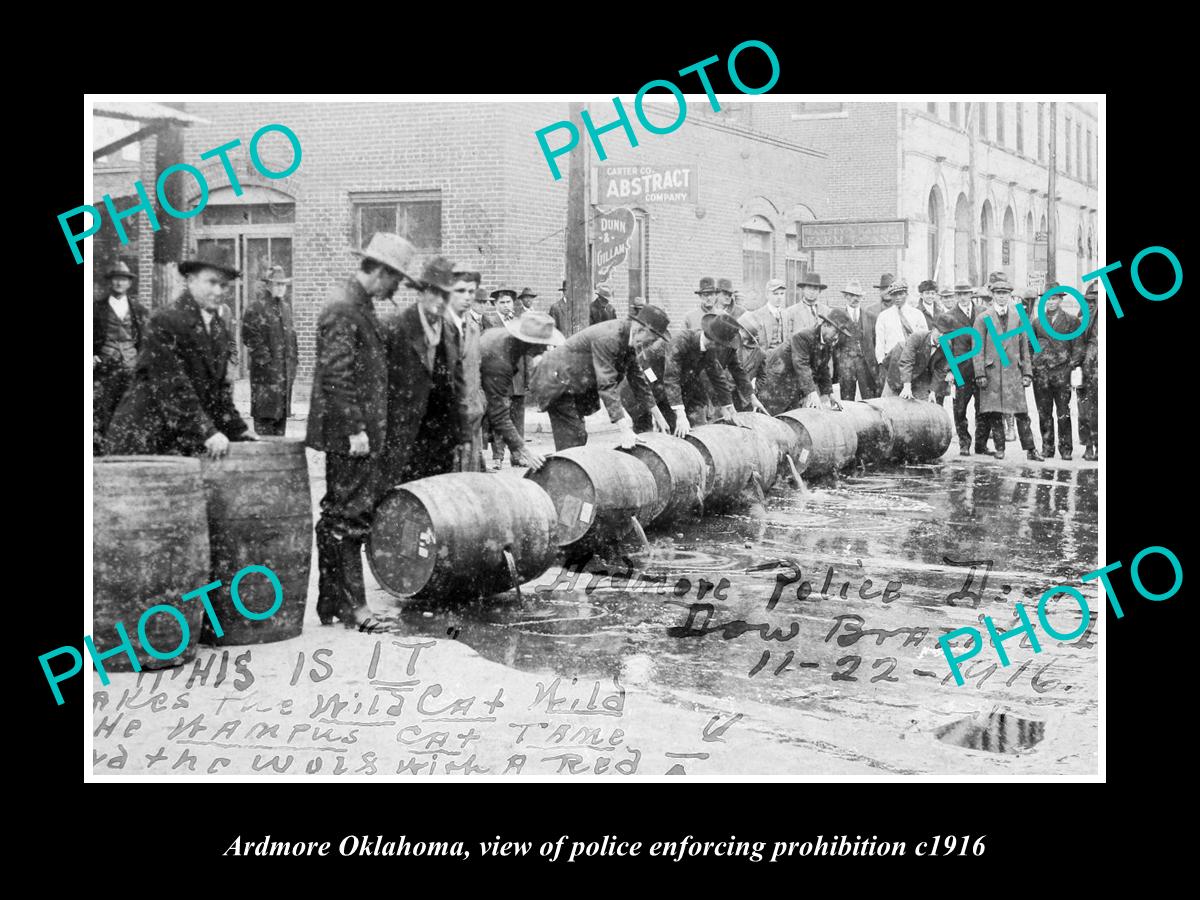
(566, 423)
(993, 426)
(1025, 431)
(268, 427)
(1089, 412)
(866, 380)
(352, 487)
(1062, 405)
(1043, 399)
(516, 411)
(107, 391)
(962, 397)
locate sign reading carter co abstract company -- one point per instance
(644, 184)
(613, 232)
(824, 235)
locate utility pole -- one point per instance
(1051, 198)
(972, 220)
(168, 240)
(579, 287)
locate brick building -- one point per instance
(469, 180)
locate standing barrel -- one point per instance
(678, 470)
(923, 431)
(732, 456)
(828, 441)
(596, 493)
(259, 513)
(874, 431)
(149, 547)
(445, 537)
(786, 441)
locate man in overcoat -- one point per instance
(602, 309)
(347, 419)
(1052, 376)
(179, 401)
(1001, 387)
(427, 405)
(560, 311)
(571, 380)
(963, 313)
(118, 322)
(503, 351)
(855, 371)
(270, 339)
(711, 352)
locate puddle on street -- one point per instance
(998, 733)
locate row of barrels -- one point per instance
(468, 535)
(163, 526)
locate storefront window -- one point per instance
(756, 254)
(639, 257)
(415, 215)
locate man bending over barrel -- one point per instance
(799, 372)
(572, 379)
(712, 352)
(180, 403)
(916, 368)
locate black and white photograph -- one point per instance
(741, 438)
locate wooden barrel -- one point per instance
(445, 537)
(678, 470)
(874, 430)
(259, 513)
(787, 443)
(149, 547)
(596, 493)
(828, 440)
(732, 456)
(923, 431)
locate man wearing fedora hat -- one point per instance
(504, 298)
(271, 343)
(347, 419)
(179, 401)
(560, 311)
(1086, 358)
(799, 372)
(117, 325)
(917, 368)
(876, 310)
(428, 416)
(703, 369)
(1002, 387)
(707, 293)
(465, 328)
(963, 313)
(601, 309)
(807, 313)
(525, 299)
(573, 379)
(503, 353)
(854, 371)
(765, 325)
(727, 300)
(895, 324)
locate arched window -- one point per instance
(985, 234)
(757, 242)
(935, 232)
(796, 260)
(962, 237)
(1030, 240)
(1008, 232)
(639, 257)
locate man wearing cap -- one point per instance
(270, 339)
(765, 325)
(179, 401)
(503, 351)
(853, 369)
(572, 380)
(725, 298)
(710, 352)
(885, 282)
(1002, 387)
(916, 368)
(347, 419)
(1087, 358)
(707, 293)
(808, 312)
(1052, 374)
(798, 372)
(504, 298)
(601, 309)
(464, 327)
(896, 323)
(560, 311)
(117, 325)
(963, 313)
(927, 301)
(428, 417)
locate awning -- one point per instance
(156, 116)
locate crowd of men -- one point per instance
(423, 391)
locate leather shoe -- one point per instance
(999, 454)
(964, 449)
(1090, 454)
(1048, 454)
(1035, 456)
(1066, 455)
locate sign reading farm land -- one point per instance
(826, 235)
(644, 184)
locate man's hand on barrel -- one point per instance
(682, 425)
(812, 401)
(627, 438)
(756, 405)
(831, 403)
(360, 444)
(217, 445)
(660, 421)
(906, 392)
(528, 458)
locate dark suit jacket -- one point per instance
(502, 356)
(812, 360)
(270, 338)
(600, 311)
(560, 312)
(868, 342)
(686, 364)
(1086, 352)
(100, 313)
(415, 392)
(916, 362)
(349, 390)
(1056, 357)
(590, 366)
(179, 396)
